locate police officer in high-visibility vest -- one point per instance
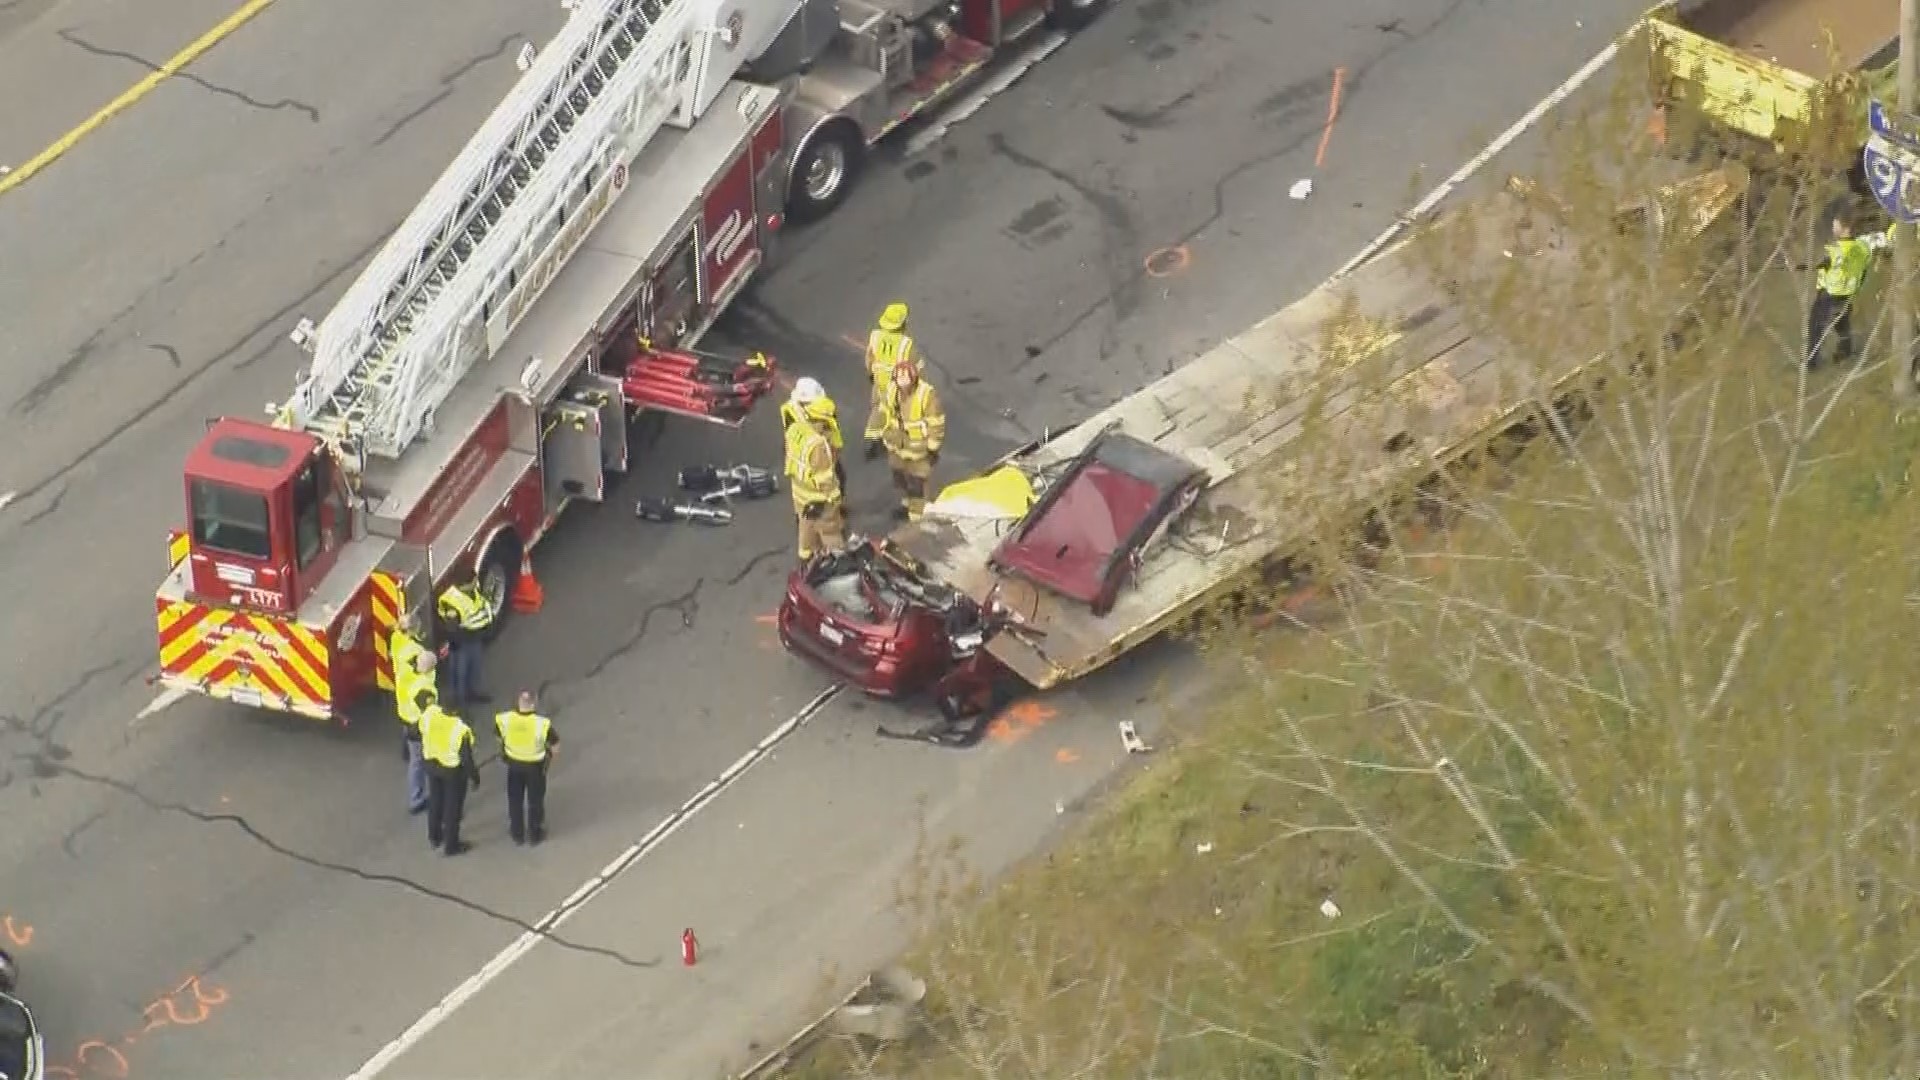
(814, 476)
(916, 426)
(527, 742)
(887, 346)
(447, 742)
(1837, 277)
(413, 671)
(465, 616)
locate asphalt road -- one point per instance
(215, 893)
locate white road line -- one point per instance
(583, 895)
(1479, 161)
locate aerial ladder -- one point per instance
(458, 274)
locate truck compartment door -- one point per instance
(703, 386)
(605, 394)
(570, 451)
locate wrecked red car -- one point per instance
(875, 617)
(870, 616)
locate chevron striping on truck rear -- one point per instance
(244, 658)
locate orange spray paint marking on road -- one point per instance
(1168, 261)
(1066, 755)
(1019, 720)
(187, 1005)
(1333, 113)
(18, 933)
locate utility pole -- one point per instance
(1901, 295)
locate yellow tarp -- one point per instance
(1002, 493)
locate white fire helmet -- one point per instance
(807, 390)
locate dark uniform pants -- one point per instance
(526, 799)
(1829, 314)
(446, 804)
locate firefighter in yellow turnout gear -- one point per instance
(813, 470)
(915, 427)
(887, 346)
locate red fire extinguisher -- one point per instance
(689, 948)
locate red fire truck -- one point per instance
(484, 372)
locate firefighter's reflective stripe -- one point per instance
(178, 547)
(236, 655)
(385, 607)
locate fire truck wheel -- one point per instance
(1074, 14)
(499, 571)
(825, 169)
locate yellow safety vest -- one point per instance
(407, 683)
(885, 348)
(1847, 262)
(810, 468)
(402, 652)
(523, 736)
(919, 428)
(466, 607)
(442, 737)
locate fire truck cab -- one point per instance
(267, 513)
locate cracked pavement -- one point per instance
(149, 280)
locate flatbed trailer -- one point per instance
(1386, 369)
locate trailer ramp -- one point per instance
(1240, 412)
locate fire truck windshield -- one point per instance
(231, 519)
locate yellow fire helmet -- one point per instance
(894, 317)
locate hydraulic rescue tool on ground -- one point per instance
(483, 371)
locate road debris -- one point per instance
(1130, 738)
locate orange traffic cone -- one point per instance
(528, 596)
